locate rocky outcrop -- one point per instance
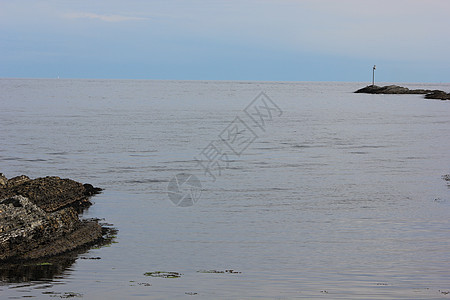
(440, 95)
(39, 217)
(395, 89)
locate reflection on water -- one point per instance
(43, 270)
(46, 269)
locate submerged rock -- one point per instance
(395, 89)
(39, 217)
(446, 177)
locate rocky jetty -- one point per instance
(39, 217)
(395, 89)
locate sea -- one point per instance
(239, 189)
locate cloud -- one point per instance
(105, 18)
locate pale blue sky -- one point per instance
(292, 40)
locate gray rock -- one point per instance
(395, 89)
(17, 180)
(390, 89)
(49, 193)
(438, 95)
(39, 217)
(3, 180)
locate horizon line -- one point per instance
(217, 80)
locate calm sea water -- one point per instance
(339, 197)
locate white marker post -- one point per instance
(373, 74)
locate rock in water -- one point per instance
(390, 89)
(91, 190)
(395, 89)
(49, 193)
(439, 95)
(39, 217)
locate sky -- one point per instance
(268, 40)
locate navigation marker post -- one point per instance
(373, 74)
